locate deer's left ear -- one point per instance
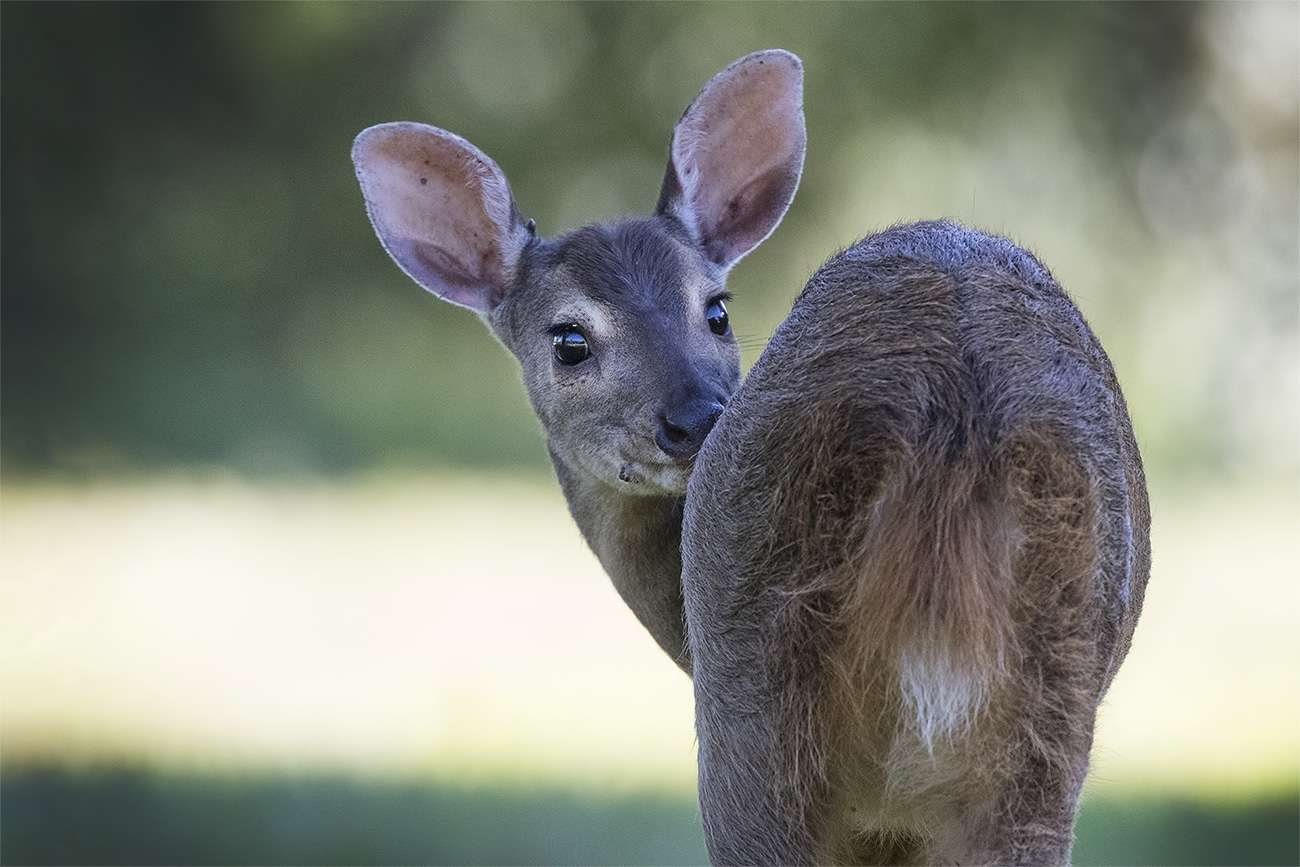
(443, 211)
(737, 154)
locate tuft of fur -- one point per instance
(931, 596)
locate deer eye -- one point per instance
(570, 344)
(716, 314)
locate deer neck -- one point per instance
(638, 541)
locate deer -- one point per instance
(902, 561)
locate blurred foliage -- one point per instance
(189, 278)
(129, 816)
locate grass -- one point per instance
(132, 817)
(117, 816)
(455, 629)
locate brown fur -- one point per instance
(906, 548)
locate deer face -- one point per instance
(626, 349)
(621, 329)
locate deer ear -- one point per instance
(737, 154)
(443, 210)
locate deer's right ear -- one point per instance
(737, 154)
(443, 210)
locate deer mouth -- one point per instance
(657, 477)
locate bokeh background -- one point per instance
(284, 576)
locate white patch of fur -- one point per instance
(941, 699)
(499, 204)
(587, 313)
(688, 139)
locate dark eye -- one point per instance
(716, 313)
(570, 344)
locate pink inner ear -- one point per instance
(747, 218)
(441, 208)
(429, 264)
(739, 151)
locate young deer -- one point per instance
(913, 548)
(621, 328)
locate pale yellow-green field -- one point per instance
(458, 626)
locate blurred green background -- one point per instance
(283, 574)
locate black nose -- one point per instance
(682, 430)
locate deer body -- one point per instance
(913, 547)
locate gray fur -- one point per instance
(622, 427)
(932, 452)
(655, 352)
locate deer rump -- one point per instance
(914, 550)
